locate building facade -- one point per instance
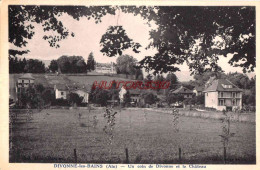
(198, 90)
(221, 94)
(23, 83)
(83, 93)
(187, 93)
(106, 68)
(61, 91)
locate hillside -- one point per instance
(49, 80)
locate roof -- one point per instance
(135, 91)
(61, 87)
(182, 90)
(27, 76)
(83, 89)
(218, 85)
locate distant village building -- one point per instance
(23, 82)
(187, 93)
(84, 93)
(122, 92)
(61, 91)
(108, 68)
(135, 96)
(198, 90)
(222, 94)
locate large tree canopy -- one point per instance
(196, 35)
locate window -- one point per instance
(227, 86)
(62, 93)
(234, 102)
(221, 94)
(22, 81)
(234, 94)
(221, 102)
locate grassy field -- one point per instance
(151, 137)
(90, 79)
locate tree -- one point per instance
(74, 98)
(34, 66)
(173, 98)
(99, 96)
(159, 78)
(127, 98)
(53, 66)
(48, 96)
(149, 77)
(91, 62)
(72, 64)
(150, 98)
(178, 39)
(201, 79)
(239, 79)
(32, 97)
(173, 79)
(113, 91)
(139, 74)
(81, 66)
(115, 41)
(125, 64)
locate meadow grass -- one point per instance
(52, 135)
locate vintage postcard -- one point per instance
(129, 85)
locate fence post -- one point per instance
(179, 155)
(75, 156)
(126, 155)
(225, 155)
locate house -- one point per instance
(24, 82)
(135, 95)
(108, 68)
(61, 91)
(83, 92)
(122, 92)
(187, 93)
(222, 94)
(198, 90)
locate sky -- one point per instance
(88, 35)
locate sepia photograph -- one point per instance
(128, 84)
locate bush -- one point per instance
(150, 98)
(60, 102)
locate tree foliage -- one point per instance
(74, 98)
(150, 98)
(127, 98)
(91, 62)
(53, 67)
(35, 97)
(99, 96)
(115, 41)
(173, 98)
(69, 64)
(125, 64)
(179, 37)
(25, 66)
(173, 79)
